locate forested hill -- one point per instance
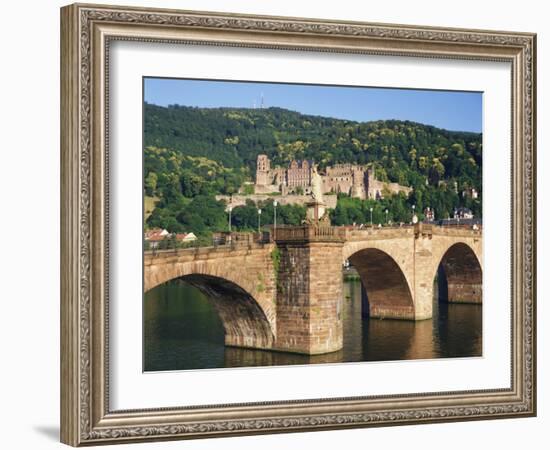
(193, 154)
(402, 151)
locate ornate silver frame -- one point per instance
(86, 31)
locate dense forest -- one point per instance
(192, 154)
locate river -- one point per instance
(183, 331)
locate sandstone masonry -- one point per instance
(287, 295)
(355, 180)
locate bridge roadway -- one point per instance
(286, 293)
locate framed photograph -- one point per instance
(276, 224)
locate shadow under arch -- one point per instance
(386, 291)
(459, 275)
(244, 321)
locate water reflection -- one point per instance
(183, 331)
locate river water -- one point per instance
(183, 331)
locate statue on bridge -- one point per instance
(316, 209)
(316, 186)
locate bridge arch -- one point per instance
(460, 275)
(244, 322)
(384, 278)
(240, 284)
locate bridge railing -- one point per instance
(240, 238)
(461, 226)
(458, 230)
(231, 240)
(308, 233)
(382, 232)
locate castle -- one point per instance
(354, 180)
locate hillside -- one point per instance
(207, 151)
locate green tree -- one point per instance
(151, 184)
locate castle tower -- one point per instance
(370, 185)
(262, 170)
(359, 182)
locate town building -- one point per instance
(463, 213)
(471, 193)
(186, 237)
(429, 215)
(155, 236)
(354, 180)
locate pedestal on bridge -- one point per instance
(309, 289)
(315, 212)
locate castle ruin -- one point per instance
(354, 180)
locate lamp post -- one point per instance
(230, 208)
(413, 208)
(259, 219)
(275, 218)
(386, 216)
(370, 209)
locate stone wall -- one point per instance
(376, 188)
(240, 200)
(262, 189)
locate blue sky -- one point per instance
(451, 110)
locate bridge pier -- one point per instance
(309, 290)
(464, 292)
(423, 266)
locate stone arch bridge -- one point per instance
(286, 293)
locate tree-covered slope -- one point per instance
(192, 154)
(404, 152)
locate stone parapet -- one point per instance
(309, 233)
(369, 233)
(457, 231)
